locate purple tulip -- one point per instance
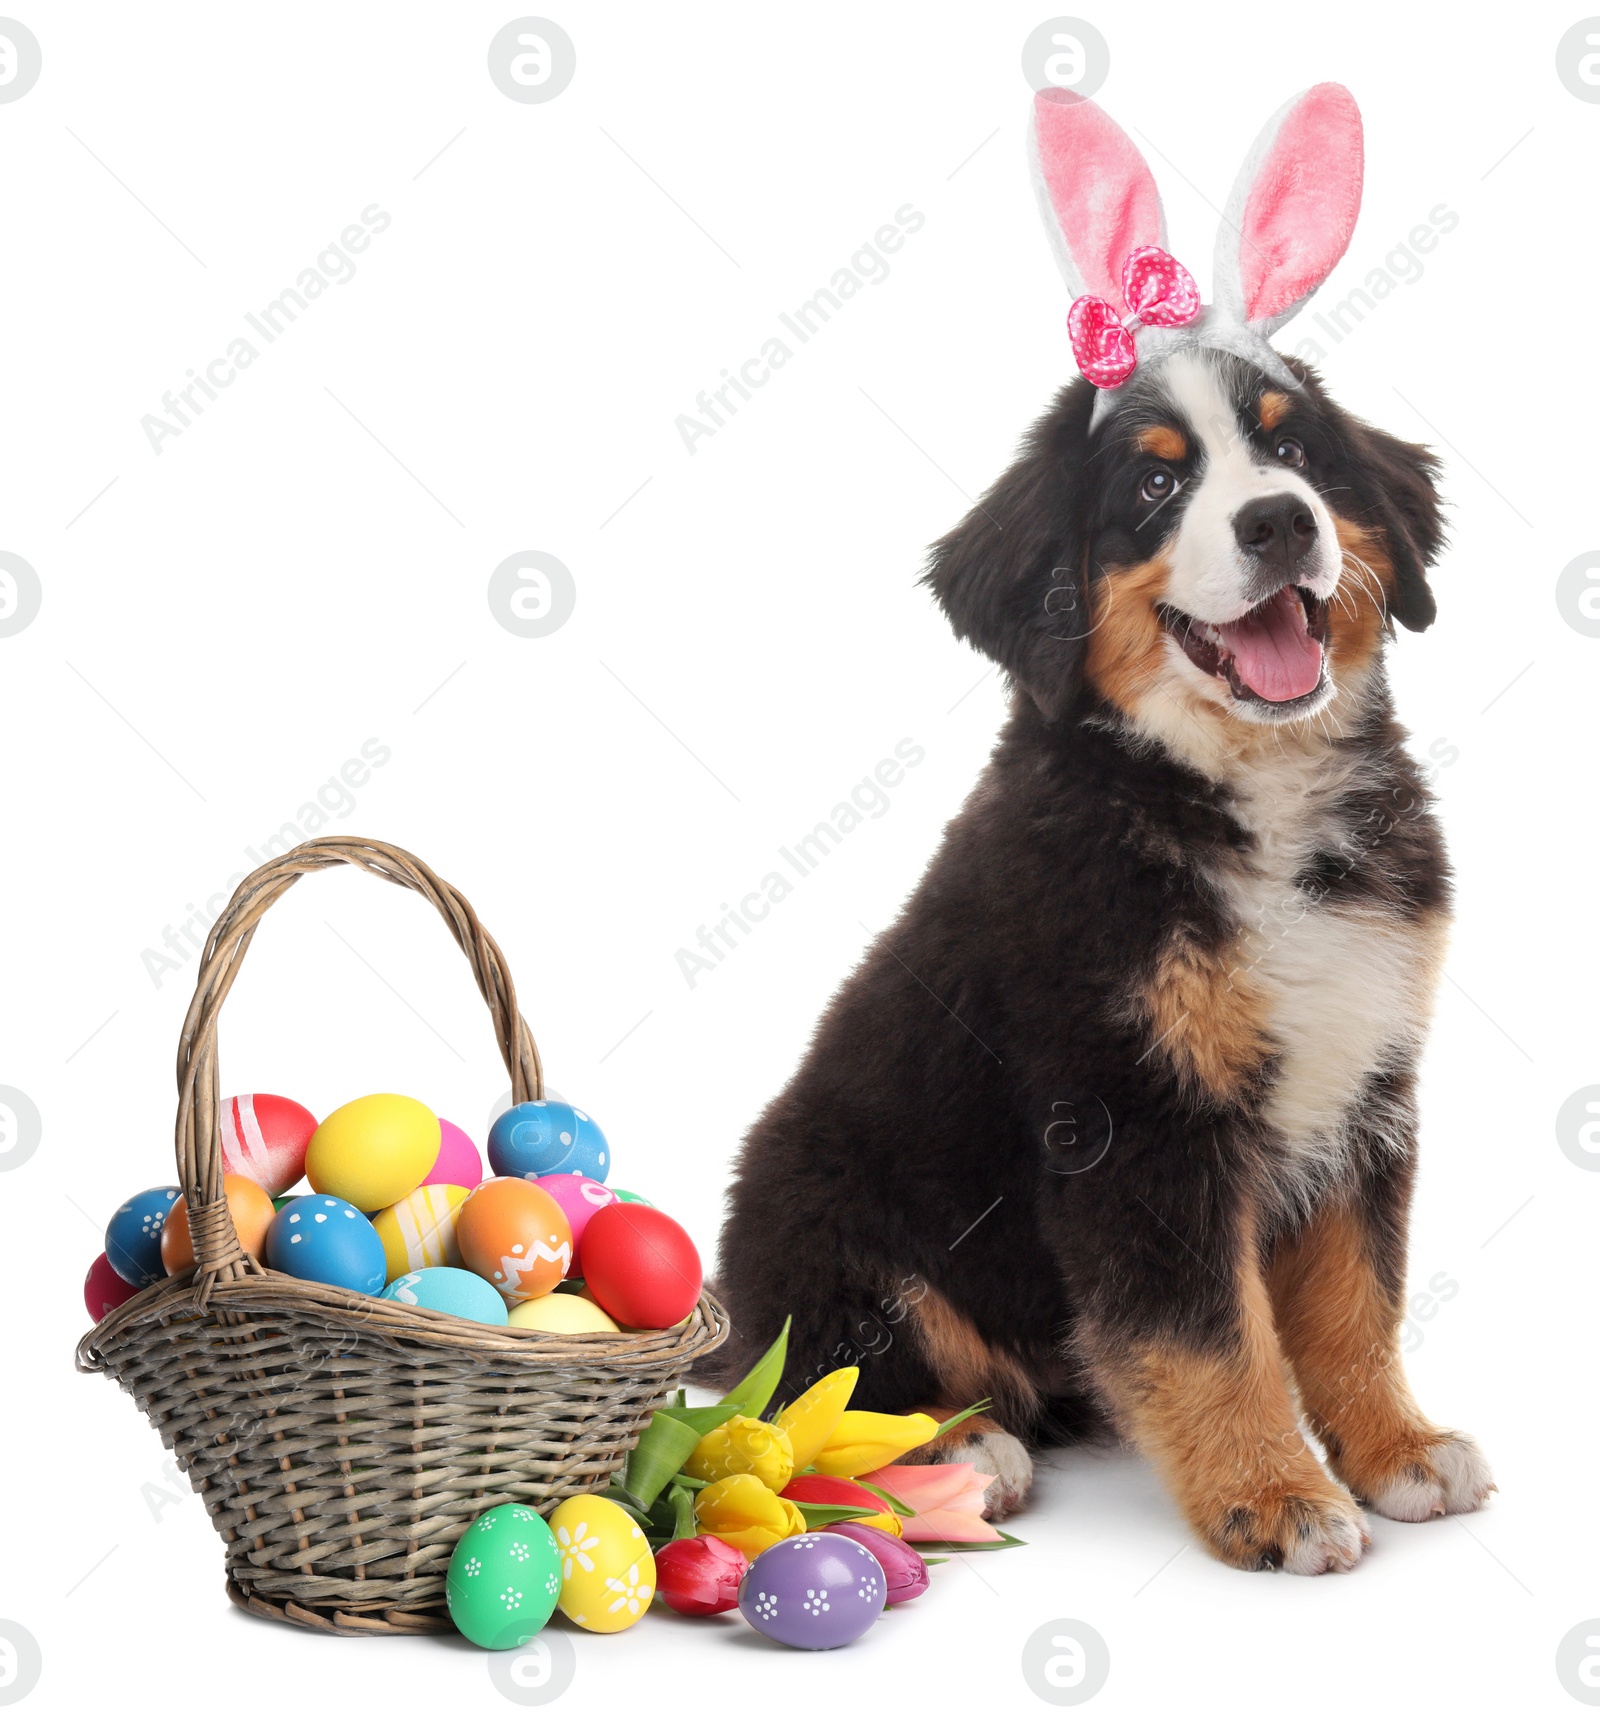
(905, 1571)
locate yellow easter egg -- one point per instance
(562, 1314)
(419, 1232)
(608, 1575)
(374, 1151)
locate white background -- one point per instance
(234, 617)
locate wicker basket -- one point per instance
(343, 1444)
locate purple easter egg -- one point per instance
(813, 1592)
(459, 1162)
(579, 1199)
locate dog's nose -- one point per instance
(1279, 529)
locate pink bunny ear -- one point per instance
(1292, 210)
(1096, 193)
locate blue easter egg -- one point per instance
(536, 1138)
(321, 1238)
(133, 1240)
(456, 1291)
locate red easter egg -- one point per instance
(516, 1237)
(264, 1138)
(104, 1289)
(640, 1266)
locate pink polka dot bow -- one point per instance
(1159, 292)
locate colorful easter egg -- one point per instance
(252, 1212)
(814, 1592)
(539, 1137)
(631, 1197)
(455, 1291)
(458, 1162)
(504, 1578)
(326, 1239)
(562, 1314)
(372, 1151)
(641, 1266)
(515, 1236)
(579, 1198)
(104, 1289)
(608, 1575)
(419, 1232)
(264, 1137)
(133, 1237)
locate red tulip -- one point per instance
(700, 1576)
(905, 1571)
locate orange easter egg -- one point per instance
(248, 1204)
(516, 1237)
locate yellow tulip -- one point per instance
(864, 1441)
(809, 1422)
(743, 1446)
(743, 1512)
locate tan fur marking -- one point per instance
(968, 1369)
(1221, 1428)
(1272, 407)
(1359, 606)
(1125, 645)
(1340, 1333)
(1165, 442)
(1208, 1016)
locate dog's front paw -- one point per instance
(1305, 1531)
(1447, 1474)
(999, 1453)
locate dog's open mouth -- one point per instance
(1274, 653)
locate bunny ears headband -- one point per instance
(1287, 223)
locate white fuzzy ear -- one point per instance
(1292, 210)
(1096, 193)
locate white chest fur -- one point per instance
(1346, 990)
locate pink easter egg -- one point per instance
(264, 1139)
(459, 1162)
(579, 1198)
(104, 1289)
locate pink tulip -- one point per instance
(947, 1502)
(905, 1571)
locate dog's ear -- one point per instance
(1012, 577)
(1396, 482)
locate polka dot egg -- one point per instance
(326, 1239)
(504, 1578)
(539, 1137)
(813, 1592)
(133, 1240)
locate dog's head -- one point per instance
(1213, 538)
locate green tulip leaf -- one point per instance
(760, 1384)
(664, 1445)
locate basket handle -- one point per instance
(218, 1254)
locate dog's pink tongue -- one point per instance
(1271, 649)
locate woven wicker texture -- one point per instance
(343, 1444)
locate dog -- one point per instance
(1114, 1129)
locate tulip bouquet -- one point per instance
(714, 1487)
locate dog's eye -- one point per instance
(1290, 453)
(1158, 485)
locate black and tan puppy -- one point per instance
(1116, 1125)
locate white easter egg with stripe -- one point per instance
(419, 1232)
(264, 1139)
